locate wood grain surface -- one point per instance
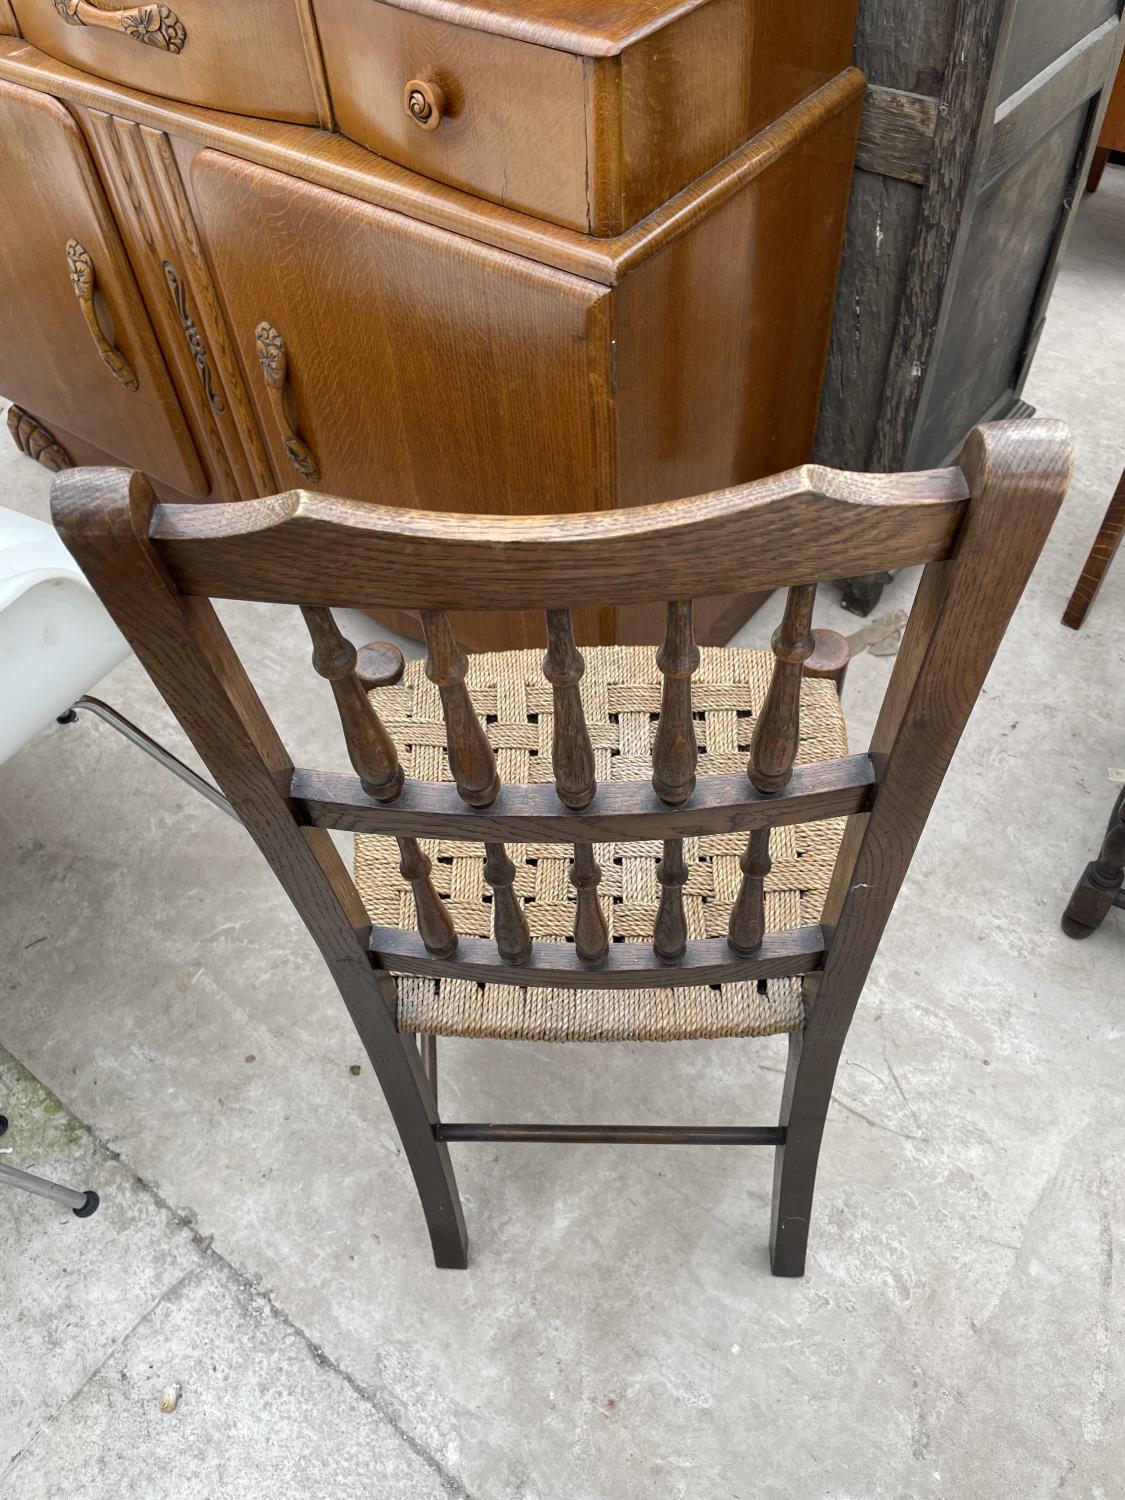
(720, 804)
(248, 58)
(49, 362)
(336, 162)
(798, 527)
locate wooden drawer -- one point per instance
(251, 59)
(76, 345)
(590, 115)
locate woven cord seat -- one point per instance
(621, 694)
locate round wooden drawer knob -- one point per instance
(424, 103)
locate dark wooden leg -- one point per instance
(414, 1108)
(102, 515)
(1102, 884)
(1097, 167)
(804, 1106)
(1101, 555)
(861, 595)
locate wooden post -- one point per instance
(370, 748)
(674, 751)
(572, 754)
(470, 755)
(748, 915)
(513, 937)
(777, 734)
(591, 935)
(669, 935)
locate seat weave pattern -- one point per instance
(621, 695)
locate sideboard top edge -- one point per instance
(590, 28)
(340, 164)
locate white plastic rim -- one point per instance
(56, 639)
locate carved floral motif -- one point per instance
(154, 25)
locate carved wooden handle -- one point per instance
(424, 103)
(83, 280)
(275, 369)
(154, 25)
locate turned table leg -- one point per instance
(1102, 884)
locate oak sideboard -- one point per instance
(469, 255)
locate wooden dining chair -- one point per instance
(619, 887)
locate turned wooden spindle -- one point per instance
(669, 934)
(777, 733)
(435, 925)
(370, 748)
(674, 751)
(572, 754)
(513, 936)
(470, 755)
(591, 935)
(748, 914)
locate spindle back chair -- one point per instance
(978, 529)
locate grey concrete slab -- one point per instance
(67, 1293)
(102, 1316)
(959, 1331)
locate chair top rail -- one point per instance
(803, 526)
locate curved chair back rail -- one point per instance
(977, 529)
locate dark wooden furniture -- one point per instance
(1102, 885)
(978, 529)
(497, 254)
(979, 125)
(1102, 553)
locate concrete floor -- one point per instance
(173, 1040)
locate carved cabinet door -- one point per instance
(76, 345)
(391, 360)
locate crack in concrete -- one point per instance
(205, 1245)
(115, 1347)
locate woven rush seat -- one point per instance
(621, 695)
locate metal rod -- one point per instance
(150, 747)
(633, 1135)
(42, 1188)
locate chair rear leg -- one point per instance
(400, 1072)
(441, 1202)
(804, 1106)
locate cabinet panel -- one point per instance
(256, 59)
(416, 367)
(722, 335)
(1010, 243)
(1042, 30)
(76, 346)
